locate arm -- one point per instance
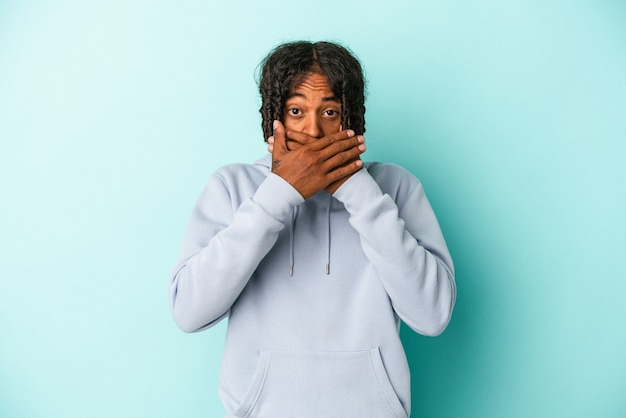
(223, 246)
(403, 241)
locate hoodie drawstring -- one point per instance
(294, 215)
(292, 232)
(330, 202)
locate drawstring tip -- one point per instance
(290, 271)
(327, 268)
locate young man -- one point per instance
(313, 255)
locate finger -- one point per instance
(324, 142)
(299, 137)
(292, 145)
(345, 170)
(303, 139)
(270, 144)
(355, 143)
(344, 157)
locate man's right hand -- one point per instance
(312, 164)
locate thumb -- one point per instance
(280, 143)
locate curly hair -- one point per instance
(289, 64)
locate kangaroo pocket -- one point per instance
(308, 384)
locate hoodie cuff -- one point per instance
(277, 197)
(360, 187)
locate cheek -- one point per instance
(331, 127)
(290, 124)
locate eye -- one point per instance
(331, 113)
(294, 111)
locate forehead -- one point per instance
(314, 83)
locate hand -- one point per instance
(295, 140)
(313, 164)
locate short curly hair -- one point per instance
(288, 64)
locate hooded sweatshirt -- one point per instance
(314, 289)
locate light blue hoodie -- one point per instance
(314, 290)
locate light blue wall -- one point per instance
(113, 114)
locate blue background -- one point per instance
(113, 115)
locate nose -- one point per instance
(313, 126)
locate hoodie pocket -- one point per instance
(308, 384)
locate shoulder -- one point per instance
(392, 178)
(241, 173)
(233, 183)
(384, 170)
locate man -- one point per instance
(313, 255)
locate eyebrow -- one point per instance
(325, 99)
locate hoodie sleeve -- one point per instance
(401, 237)
(223, 246)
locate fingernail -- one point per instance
(359, 163)
(362, 147)
(275, 125)
(361, 139)
(350, 132)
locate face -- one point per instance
(312, 108)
